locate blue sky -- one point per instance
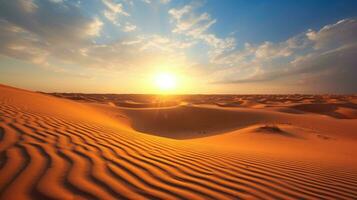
(277, 20)
(225, 46)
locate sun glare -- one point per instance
(165, 81)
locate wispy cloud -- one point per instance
(196, 26)
(113, 11)
(129, 27)
(324, 54)
(94, 27)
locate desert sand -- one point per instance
(93, 146)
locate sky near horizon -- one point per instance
(211, 46)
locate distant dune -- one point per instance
(187, 147)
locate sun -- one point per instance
(165, 81)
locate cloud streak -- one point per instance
(196, 26)
(326, 54)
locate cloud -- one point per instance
(315, 57)
(58, 34)
(132, 54)
(18, 43)
(334, 35)
(129, 27)
(113, 11)
(56, 1)
(28, 6)
(188, 23)
(165, 1)
(161, 43)
(34, 31)
(50, 32)
(115, 7)
(151, 1)
(61, 24)
(268, 50)
(95, 27)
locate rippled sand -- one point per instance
(253, 147)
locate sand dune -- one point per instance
(341, 111)
(54, 148)
(191, 121)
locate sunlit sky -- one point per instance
(207, 46)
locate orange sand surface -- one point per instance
(75, 146)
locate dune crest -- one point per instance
(52, 148)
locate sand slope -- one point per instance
(188, 121)
(58, 149)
